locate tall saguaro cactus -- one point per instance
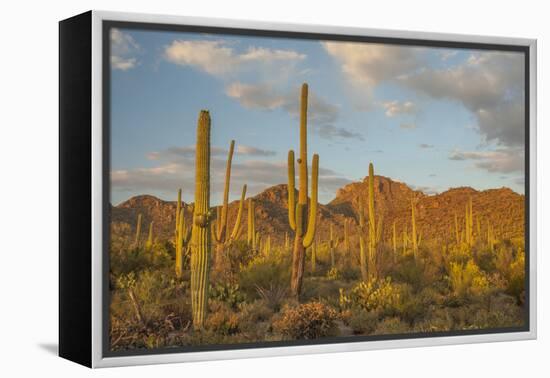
(201, 235)
(223, 239)
(375, 230)
(362, 231)
(304, 226)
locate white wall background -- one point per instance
(28, 185)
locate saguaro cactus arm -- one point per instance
(312, 219)
(236, 229)
(222, 225)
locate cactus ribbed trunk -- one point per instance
(149, 243)
(457, 231)
(201, 234)
(251, 237)
(303, 225)
(138, 232)
(362, 251)
(374, 229)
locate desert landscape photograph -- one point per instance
(274, 190)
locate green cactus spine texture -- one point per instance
(303, 225)
(201, 234)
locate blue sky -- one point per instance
(432, 118)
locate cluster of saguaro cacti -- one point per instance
(138, 231)
(223, 239)
(201, 234)
(304, 226)
(149, 243)
(182, 234)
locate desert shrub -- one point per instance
(485, 260)
(307, 321)
(467, 280)
(350, 273)
(273, 295)
(414, 307)
(221, 319)
(375, 295)
(255, 319)
(228, 293)
(362, 322)
(410, 271)
(265, 274)
(391, 326)
(320, 287)
(516, 278)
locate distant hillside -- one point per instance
(503, 208)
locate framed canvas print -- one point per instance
(234, 189)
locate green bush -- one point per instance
(375, 295)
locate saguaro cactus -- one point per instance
(304, 226)
(362, 232)
(313, 256)
(182, 235)
(138, 231)
(149, 243)
(414, 235)
(332, 245)
(375, 230)
(223, 240)
(251, 237)
(201, 235)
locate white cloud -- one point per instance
(395, 108)
(321, 114)
(123, 49)
(488, 84)
(254, 151)
(368, 64)
(503, 160)
(219, 58)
